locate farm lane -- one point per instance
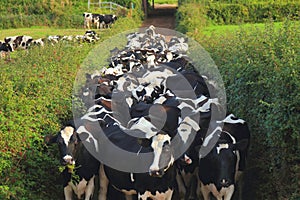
(163, 16)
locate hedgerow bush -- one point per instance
(36, 98)
(237, 12)
(261, 72)
(186, 22)
(225, 13)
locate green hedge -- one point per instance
(223, 13)
(261, 72)
(186, 20)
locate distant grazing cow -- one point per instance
(5, 50)
(38, 42)
(107, 20)
(77, 161)
(15, 42)
(53, 39)
(221, 168)
(88, 18)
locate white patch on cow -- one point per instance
(184, 130)
(206, 106)
(86, 94)
(229, 120)
(66, 134)
(90, 114)
(185, 105)
(129, 101)
(225, 192)
(69, 159)
(167, 195)
(131, 177)
(157, 145)
(222, 146)
(169, 56)
(185, 127)
(137, 89)
(232, 138)
(194, 101)
(82, 129)
(160, 100)
(38, 42)
(145, 126)
(210, 136)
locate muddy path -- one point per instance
(162, 16)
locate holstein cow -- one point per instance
(88, 18)
(5, 49)
(18, 41)
(222, 167)
(77, 161)
(107, 20)
(159, 182)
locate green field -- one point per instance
(40, 32)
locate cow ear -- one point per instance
(241, 145)
(50, 139)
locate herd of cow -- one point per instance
(12, 43)
(25, 42)
(151, 99)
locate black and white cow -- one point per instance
(38, 42)
(158, 183)
(77, 161)
(15, 42)
(222, 167)
(88, 19)
(5, 50)
(107, 20)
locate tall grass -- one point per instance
(36, 97)
(260, 69)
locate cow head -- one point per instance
(163, 154)
(67, 140)
(223, 160)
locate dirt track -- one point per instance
(163, 16)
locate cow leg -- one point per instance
(181, 187)
(239, 183)
(128, 197)
(205, 192)
(68, 192)
(229, 193)
(103, 184)
(89, 191)
(169, 194)
(192, 193)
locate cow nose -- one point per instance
(225, 183)
(68, 159)
(156, 173)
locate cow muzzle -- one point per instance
(68, 160)
(225, 183)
